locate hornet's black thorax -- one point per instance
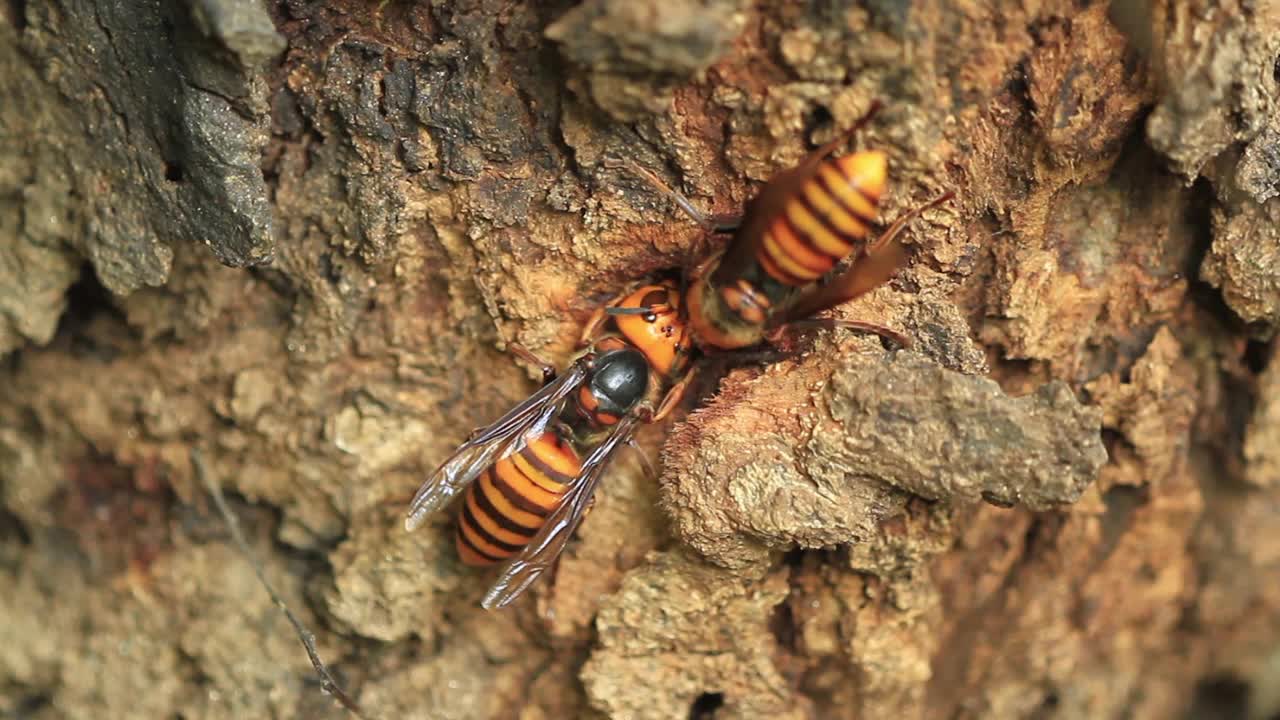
(619, 380)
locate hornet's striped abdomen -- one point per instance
(822, 221)
(511, 499)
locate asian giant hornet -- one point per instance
(530, 476)
(803, 223)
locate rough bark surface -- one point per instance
(298, 235)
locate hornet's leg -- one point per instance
(771, 353)
(649, 469)
(891, 233)
(713, 223)
(523, 353)
(832, 145)
(591, 331)
(755, 355)
(889, 334)
(673, 397)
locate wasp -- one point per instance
(529, 478)
(804, 222)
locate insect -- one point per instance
(802, 224)
(528, 478)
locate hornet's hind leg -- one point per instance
(884, 332)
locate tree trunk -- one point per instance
(297, 239)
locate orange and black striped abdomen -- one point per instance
(824, 218)
(510, 501)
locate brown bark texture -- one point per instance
(298, 236)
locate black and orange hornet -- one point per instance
(802, 224)
(529, 477)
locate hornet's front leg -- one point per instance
(523, 353)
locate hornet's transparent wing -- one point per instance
(490, 443)
(522, 570)
(770, 203)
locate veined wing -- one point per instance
(765, 207)
(876, 263)
(541, 552)
(490, 443)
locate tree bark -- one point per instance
(298, 237)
